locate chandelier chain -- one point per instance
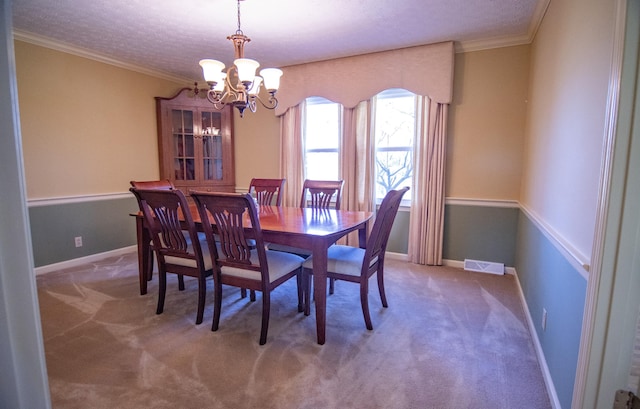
(239, 30)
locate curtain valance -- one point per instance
(424, 70)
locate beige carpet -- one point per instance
(449, 339)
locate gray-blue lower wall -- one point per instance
(549, 281)
(498, 234)
(104, 225)
(476, 232)
(484, 233)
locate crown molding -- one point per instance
(489, 43)
(91, 55)
(499, 42)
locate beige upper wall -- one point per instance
(257, 146)
(87, 127)
(570, 69)
(486, 124)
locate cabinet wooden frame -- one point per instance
(222, 177)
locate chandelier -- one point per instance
(240, 86)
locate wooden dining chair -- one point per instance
(237, 262)
(320, 194)
(316, 194)
(268, 192)
(164, 184)
(175, 241)
(357, 265)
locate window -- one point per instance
(394, 127)
(321, 139)
(395, 130)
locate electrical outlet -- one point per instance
(78, 241)
(544, 319)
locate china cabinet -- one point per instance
(195, 142)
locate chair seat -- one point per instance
(279, 264)
(206, 256)
(344, 259)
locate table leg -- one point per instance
(320, 288)
(362, 235)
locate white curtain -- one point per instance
(357, 161)
(427, 200)
(291, 152)
(357, 168)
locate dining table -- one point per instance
(307, 228)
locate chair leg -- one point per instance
(364, 300)
(266, 307)
(383, 296)
(217, 302)
(331, 281)
(252, 295)
(162, 290)
(180, 282)
(300, 285)
(243, 293)
(202, 293)
(149, 271)
(307, 291)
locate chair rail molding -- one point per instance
(481, 202)
(51, 201)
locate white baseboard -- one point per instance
(396, 256)
(83, 260)
(88, 259)
(548, 381)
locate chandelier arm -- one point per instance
(232, 72)
(271, 103)
(216, 99)
(251, 103)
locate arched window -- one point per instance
(394, 133)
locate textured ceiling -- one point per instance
(170, 36)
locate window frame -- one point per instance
(389, 94)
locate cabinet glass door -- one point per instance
(211, 145)
(183, 144)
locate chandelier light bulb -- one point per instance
(212, 70)
(271, 78)
(246, 69)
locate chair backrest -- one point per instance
(321, 193)
(377, 241)
(166, 214)
(224, 214)
(267, 191)
(165, 184)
